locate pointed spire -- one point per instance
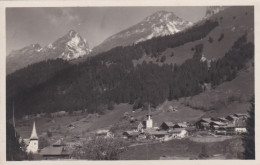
(149, 110)
(34, 133)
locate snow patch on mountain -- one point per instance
(68, 47)
(158, 24)
(212, 10)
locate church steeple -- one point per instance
(34, 133)
(149, 121)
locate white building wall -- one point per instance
(33, 146)
(240, 130)
(149, 123)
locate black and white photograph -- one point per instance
(140, 83)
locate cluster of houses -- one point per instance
(57, 150)
(230, 125)
(167, 130)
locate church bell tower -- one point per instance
(149, 121)
(33, 145)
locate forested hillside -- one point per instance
(111, 77)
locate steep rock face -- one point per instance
(160, 23)
(212, 10)
(68, 47)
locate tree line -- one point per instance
(111, 77)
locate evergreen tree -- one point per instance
(14, 150)
(249, 138)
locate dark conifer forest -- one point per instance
(111, 78)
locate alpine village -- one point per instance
(163, 89)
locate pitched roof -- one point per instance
(177, 130)
(222, 118)
(54, 151)
(218, 123)
(230, 125)
(232, 116)
(182, 124)
(168, 123)
(50, 150)
(101, 132)
(136, 124)
(206, 119)
(154, 132)
(132, 133)
(240, 114)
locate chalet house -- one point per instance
(241, 115)
(159, 134)
(240, 126)
(203, 123)
(216, 125)
(220, 131)
(55, 151)
(138, 126)
(102, 132)
(131, 134)
(222, 119)
(180, 125)
(230, 129)
(178, 133)
(214, 119)
(105, 133)
(167, 125)
(231, 118)
(156, 134)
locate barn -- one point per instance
(166, 125)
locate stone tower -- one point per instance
(33, 144)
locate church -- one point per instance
(33, 143)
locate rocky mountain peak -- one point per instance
(68, 47)
(160, 23)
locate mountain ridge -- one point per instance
(112, 78)
(68, 47)
(160, 23)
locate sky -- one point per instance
(25, 26)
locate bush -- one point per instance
(163, 58)
(210, 40)
(101, 149)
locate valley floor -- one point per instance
(181, 149)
